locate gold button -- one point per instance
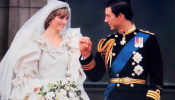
(135, 33)
(134, 52)
(132, 85)
(133, 74)
(114, 44)
(158, 91)
(118, 85)
(113, 54)
(117, 75)
(133, 63)
(116, 35)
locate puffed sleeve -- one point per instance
(26, 69)
(74, 71)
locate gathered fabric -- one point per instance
(40, 63)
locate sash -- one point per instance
(122, 59)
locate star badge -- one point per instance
(138, 70)
(123, 42)
(137, 57)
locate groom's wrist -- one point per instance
(86, 55)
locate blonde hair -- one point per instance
(60, 11)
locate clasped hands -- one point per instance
(85, 46)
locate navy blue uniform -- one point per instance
(150, 69)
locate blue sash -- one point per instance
(122, 59)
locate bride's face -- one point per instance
(59, 22)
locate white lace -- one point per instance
(34, 25)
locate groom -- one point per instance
(129, 56)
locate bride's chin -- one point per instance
(60, 28)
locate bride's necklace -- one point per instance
(123, 41)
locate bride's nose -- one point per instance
(64, 21)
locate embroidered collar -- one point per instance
(130, 29)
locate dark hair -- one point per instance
(120, 6)
(62, 0)
(60, 11)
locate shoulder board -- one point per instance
(109, 36)
(146, 32)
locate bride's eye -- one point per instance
(61, 17)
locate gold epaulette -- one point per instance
(106, 50)
(146, 32)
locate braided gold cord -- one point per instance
(106, 50)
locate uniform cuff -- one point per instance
(88, 63)
(155, 95)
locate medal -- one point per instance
(128, 31)
(137, 57)
(138, 70)
(123, 41)
(138, 42)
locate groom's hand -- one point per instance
(85, 45)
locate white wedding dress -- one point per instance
(40, 63)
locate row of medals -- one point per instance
(123, 42)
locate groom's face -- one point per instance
(111, 19)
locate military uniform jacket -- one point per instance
(145, 64)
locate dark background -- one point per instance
(157, 16)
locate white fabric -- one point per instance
(44, 63)
(24, 54)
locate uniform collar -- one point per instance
(130, 29)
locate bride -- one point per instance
(44, 50)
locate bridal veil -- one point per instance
(35, 25)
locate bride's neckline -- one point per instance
(51, 45)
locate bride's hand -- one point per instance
(85, 45)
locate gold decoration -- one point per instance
(113, 54)
(138, 70)
(133, 74)
(134, 52)
(146, 32)
(106, 50)
(114, 44)
(89, 66)
(133, 63)
(153, 94)
(137, 57)
(123, 41)
(116, 36)
(128, 31)
(117, 75)
(132, 85)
